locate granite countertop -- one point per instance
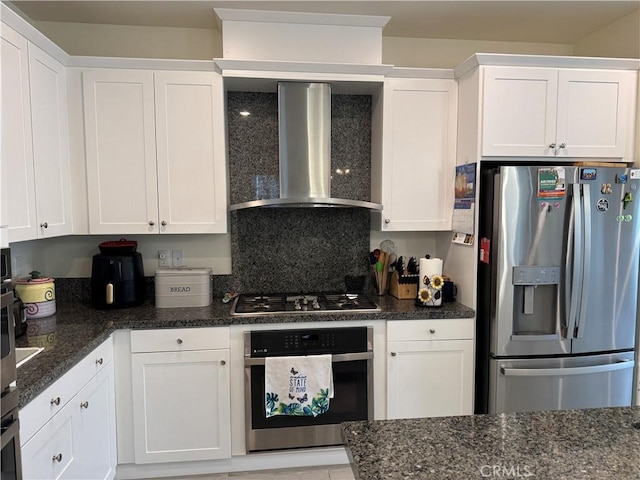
(78, 329)
(599, 443)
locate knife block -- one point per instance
(403, 286)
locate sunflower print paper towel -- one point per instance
(298, 385)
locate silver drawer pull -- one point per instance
(57, 458)
(44, 225)
(179, 341)
(99, 361)
(55, 401)
(84, 404)
(432, 330)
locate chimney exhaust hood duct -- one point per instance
(304, 120)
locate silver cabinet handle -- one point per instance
(562, 145)
(99, 361)
(152, 223)
(432, 330)
(57, 458)
(163, 223)
(552, 145)
(387, 220)
(222, 362)
(44, 225)
(179, 341)
(55, 401)
(393, 354)
(84, 404)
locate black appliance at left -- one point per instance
(117, 280)
(10, 462)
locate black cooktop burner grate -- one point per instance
(258, 304)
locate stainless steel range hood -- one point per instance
(304, 120)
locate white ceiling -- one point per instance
(543, 21)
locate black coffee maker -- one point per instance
(117, 276)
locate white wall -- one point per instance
(86, 39)
(439, 53)
(70, 257)
(620, 39)
(204, 44)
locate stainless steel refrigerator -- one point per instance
(557, 287)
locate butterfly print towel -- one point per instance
(298, 385)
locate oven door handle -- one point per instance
(341, 357)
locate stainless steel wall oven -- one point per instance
(352, 364)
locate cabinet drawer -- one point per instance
(39, 410)
(442, 329)
(179, 339)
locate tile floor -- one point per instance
(338, 472)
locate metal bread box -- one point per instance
(184, 287)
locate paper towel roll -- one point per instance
(428, 268)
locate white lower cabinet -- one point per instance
(181, 395)
(429, 368)
(78, 439)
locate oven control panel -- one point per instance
(268, 343)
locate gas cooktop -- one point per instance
(249, 304)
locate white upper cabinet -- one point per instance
(418, 154)
(36, 199)
(191, 156)
(50, 143)
(120, 151)
(17, 145)
(548, 112)
(155, 151)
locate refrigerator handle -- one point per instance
(577, 259)
(586, 264)
(565, 285)
(557, 372)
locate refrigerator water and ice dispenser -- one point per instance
(535, 302)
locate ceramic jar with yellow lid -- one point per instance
(38, 295)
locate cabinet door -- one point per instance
(429, 378)
(94, 430)
(50, 144)
(181, 406)
(190, 152)
(50, 454)
(18, 188)
(120, 151)
(418, 166)
(593, 113)
(519, 111)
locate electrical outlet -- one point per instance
(178, 259)
(164, 258)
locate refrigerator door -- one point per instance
(532, 224)
(561, 383)
(606, 303)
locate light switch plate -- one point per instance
(178, 259)
(164, 258)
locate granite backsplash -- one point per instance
(286, 249)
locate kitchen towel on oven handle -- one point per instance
(298, 386)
